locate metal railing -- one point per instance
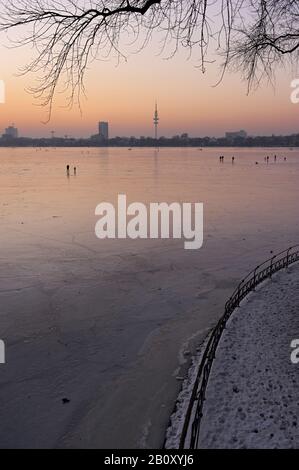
(190, 436)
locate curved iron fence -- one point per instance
(190, 436)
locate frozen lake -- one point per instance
(108, 325)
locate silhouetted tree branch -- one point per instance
(268, 39)
(252, 36)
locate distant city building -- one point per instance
(11, 132)
(236, 135)
(104, 130)
(185, 136)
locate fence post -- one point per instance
(238, 294)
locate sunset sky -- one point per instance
(125, 95)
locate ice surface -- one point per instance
(102, 323)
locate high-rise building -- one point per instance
(11, 132)
(104, 130)
(156, 121)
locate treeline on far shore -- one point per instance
(183, 141)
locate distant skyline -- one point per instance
(125, 95)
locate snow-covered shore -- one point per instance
(253, 390)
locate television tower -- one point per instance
(156, 121)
